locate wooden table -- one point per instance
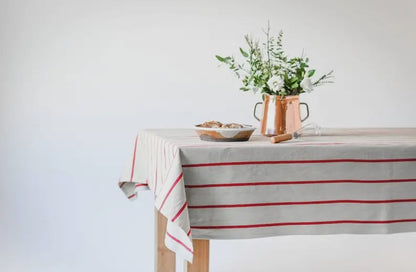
(344, 181)
(165, 259)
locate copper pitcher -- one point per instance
(280, 115)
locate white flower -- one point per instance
(306, 83)
(275, 83)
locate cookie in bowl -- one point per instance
(216, 131)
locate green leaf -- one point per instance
(220, 58)
(243, 52)
(244, 89)
(294, 85)
(311, 73)
(293, 79)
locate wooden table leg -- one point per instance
(164, 258)
(201, 257)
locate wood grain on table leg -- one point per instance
(201, 257)
(164, 258)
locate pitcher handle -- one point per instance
(307, 111)
(255, 108)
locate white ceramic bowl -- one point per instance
(225, 134)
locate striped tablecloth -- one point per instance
(344, 181)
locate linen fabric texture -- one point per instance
(357, 181)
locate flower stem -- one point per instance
(268, 48)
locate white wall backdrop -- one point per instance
(79, 78)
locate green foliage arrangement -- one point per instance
(269, 70)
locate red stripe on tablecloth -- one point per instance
(319, 143)
(170, 190)
(179, 212)
(307, 223)
(122, 184)
(347, 201)
(131, 196)
(140, 185)
(189, 232)
(179, 242)
(266, 183)
(134, 160)
(298, 162)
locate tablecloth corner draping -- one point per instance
(155, 165)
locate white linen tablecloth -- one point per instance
(344, 181)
